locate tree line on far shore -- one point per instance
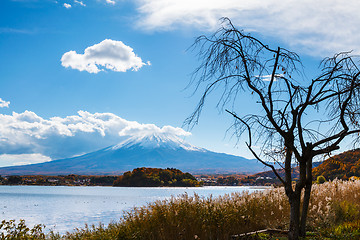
(139, 177)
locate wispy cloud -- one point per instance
(140, 130)
(108, 54)
(22, 159)
(25, 1)
(316, 27)
(267, 78)
(66, 5)
(4, 103)
(80, 3)
(16, 30)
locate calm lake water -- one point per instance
(63, 208)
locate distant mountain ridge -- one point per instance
(155, 150)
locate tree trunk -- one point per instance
(294, 231)
(307, 193)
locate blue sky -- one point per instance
(74, 74)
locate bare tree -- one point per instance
(298, 120)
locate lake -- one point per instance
(63, 208)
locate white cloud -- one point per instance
(267, 78)
(80, 3)
(315, 27)
(108, 54)
(4, 103)
(137, 129)
(61, 137)
(22, 159)
(110, 1)
(66, 5)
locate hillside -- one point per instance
(156, 177)
(268, 177)
(342, 166)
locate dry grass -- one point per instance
(334, 203)
(187, 217)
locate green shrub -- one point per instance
(346, 211)
(347, 230)
(320, 179)
(11, 230)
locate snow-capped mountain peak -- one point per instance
(152, 150)
(156, 140)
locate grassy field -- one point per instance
(334, 213)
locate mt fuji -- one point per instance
(154, 150)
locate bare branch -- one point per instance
(266, 164)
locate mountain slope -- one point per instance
(342, 166)
(158, 151)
